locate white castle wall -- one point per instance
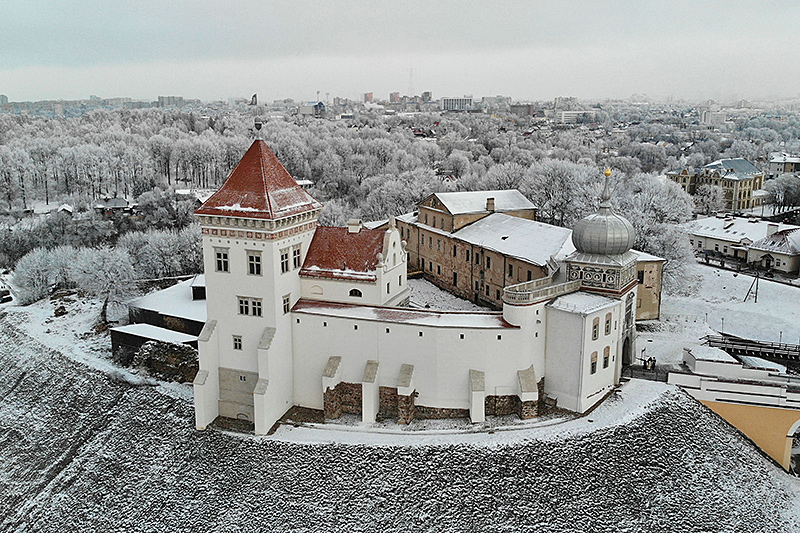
(441, 359)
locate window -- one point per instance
(284, 260)
(296, 256)
(640, 276)
(254, 263)
(455, 279)
(439, 244)
(237, 342)
(430, 242)
(387, 330)
(400, 280)
(510, 271)
(488, 262)
(595, 329)
(221, 259)
(530, 275)
(355, 293)
(388, 288)
(244, 306)
(477, 258)
(250, 306)
(355, 327)
(498, 294)
(594, 363)
(476, 286)
(439, 269)
(461, 336)
(499, 337)
(467, 256)
(426, 218)
(434, 222)
(455, 251)
(420, 334)
(287, 303)
(242, 378)
(608, 323)
(606, 352)
(487, 290)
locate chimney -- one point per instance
(490, 205)
(354, 225)
(771, 228)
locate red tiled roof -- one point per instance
(336, 253)
(259, 187)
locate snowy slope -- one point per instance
(83, 450)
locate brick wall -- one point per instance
(172, 362)
(387, 398)
(406, 410)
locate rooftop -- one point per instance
(154, 332)
(404, 315)
(259, 187)
(175, 301)
(732, 229)
(338, 254)
(581, 302)
(737, 166)
(459, 203)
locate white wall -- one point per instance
(441, 359)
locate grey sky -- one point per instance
(529, 50)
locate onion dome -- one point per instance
(604, 232)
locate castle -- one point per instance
(311, 316)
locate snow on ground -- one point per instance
(426, 294)
(720, 295)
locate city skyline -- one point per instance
(530, 51)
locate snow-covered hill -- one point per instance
(87, 449)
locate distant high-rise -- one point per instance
(3, 99)
(367, 97)
(457, 104)
(171, 101)
(394, 98)
(427, 96)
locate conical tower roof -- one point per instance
(259, 187)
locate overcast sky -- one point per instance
(69, 49)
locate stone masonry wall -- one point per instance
(172, 362)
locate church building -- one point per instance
(304, 315)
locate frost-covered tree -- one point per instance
(564, 192)
(106, 273)
(709, 199)
(32, 276)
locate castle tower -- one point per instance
(604, 263)
(256, 231)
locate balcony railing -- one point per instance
(537, 290)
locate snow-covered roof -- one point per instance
(732, 229)
(645, 257)
(259, 187)
(338, 254)
(786, 242)
(404, 315)
(174, 301)
(785, 158)
(459, 203)
(709, 353)
(198, 281)
(583, 303)
(761, 364)
(528, 240)
(736, 168)
(149, 331)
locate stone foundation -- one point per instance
(388, 403)
(434, 413)
(406, 410)
(171, 362)
(345, 398)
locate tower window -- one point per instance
(221, 255)
(284, 260)
(296, 256)
(593, 368)
(237, 342)
(287, 303)
(254, 263)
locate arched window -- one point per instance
(606, 352)
(595, 328)
(355, 293)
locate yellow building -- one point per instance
(738, 178)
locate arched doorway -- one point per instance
(626, 352)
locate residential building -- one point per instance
(752, 241)
(476, 243)
(783, 164)
(740, 181)
(456, 104)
